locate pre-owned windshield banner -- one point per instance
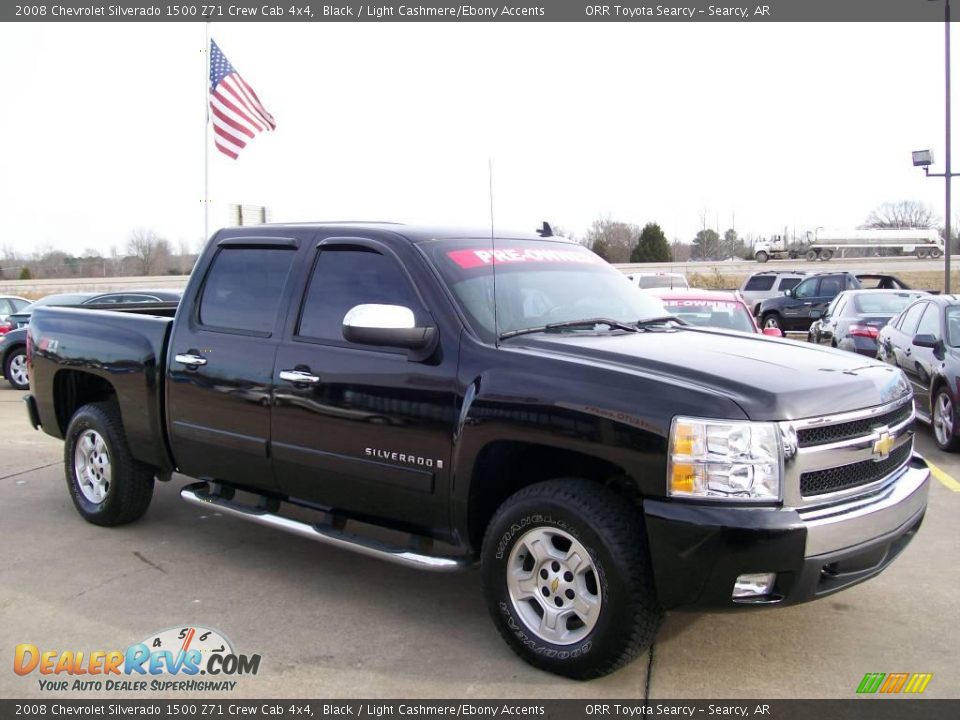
(509, 11)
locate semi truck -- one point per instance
(921, 242)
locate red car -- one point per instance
(711, 308)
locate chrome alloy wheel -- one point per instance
(18, 370)
(554, 585)
(91, 463)
(943, 419)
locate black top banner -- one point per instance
(508, 11)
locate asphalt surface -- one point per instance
(328, 623)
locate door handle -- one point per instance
(191, 360)
(808, 303)
(299, 377)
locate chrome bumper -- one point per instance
(896, 505)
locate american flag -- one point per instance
(236, 111)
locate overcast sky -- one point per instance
(762, 126)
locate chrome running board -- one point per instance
(264, 514)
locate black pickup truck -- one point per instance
(440, 398)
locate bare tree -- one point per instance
(148, 250)
(612, 240)
(903, 214)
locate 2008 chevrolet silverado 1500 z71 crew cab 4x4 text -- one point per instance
(514, 400)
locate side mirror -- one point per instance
(926, 341)
(816, 314)
(387, 325)
(788, 293)
(773, 332)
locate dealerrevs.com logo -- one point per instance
(169, 660)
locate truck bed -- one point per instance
(78, 352)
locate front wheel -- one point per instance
(772, 320)
(108, 486)
(762, 257)
(567, 578)
(944, 421)
(15, 369)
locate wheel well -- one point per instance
(10, 350)
(938, 382)
(502, 468)
(72, 389)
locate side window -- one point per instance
(760, 283)
(788, 283)
(808, 288)
(830, 286)
(243, 288)
(5, 308)
(910, 319)
(930, 322)
(347, 276)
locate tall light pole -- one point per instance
(924, 158)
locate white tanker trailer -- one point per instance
(924, 243)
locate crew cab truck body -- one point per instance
(515, 401)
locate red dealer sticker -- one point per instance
(501, 256)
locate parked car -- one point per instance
(924, 342)
(599, 461)
(649, 280)
(796, 309)
(121, 297)
(13, 346)
(10, 304)
(854, 319)
(711, 308)
(769, 283)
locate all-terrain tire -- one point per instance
(610, 529)
(108, 486)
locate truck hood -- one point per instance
(769, 379)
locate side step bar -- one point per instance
(262, 514)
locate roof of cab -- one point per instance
(413, 233)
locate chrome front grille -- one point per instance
(855, 474)
(830, 459)
(824, 435)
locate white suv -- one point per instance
(769, 283)
(649, 280)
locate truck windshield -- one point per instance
(538, 283)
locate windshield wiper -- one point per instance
(658, 320)
(612, 324)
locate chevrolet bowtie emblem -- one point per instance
(883, 445)
(554, 585)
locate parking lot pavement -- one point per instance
(328, 623)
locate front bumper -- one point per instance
(699, 550)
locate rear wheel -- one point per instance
(922, 253)
(108, 486)
(567, 577)
(944, 421)
(15, 369)
(826, 254)
(812, 255)
(936, 253)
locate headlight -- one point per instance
(733, 459)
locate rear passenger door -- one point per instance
(368, 431)
(221, 356)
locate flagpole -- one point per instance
(206, 133)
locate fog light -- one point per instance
(754, 585)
